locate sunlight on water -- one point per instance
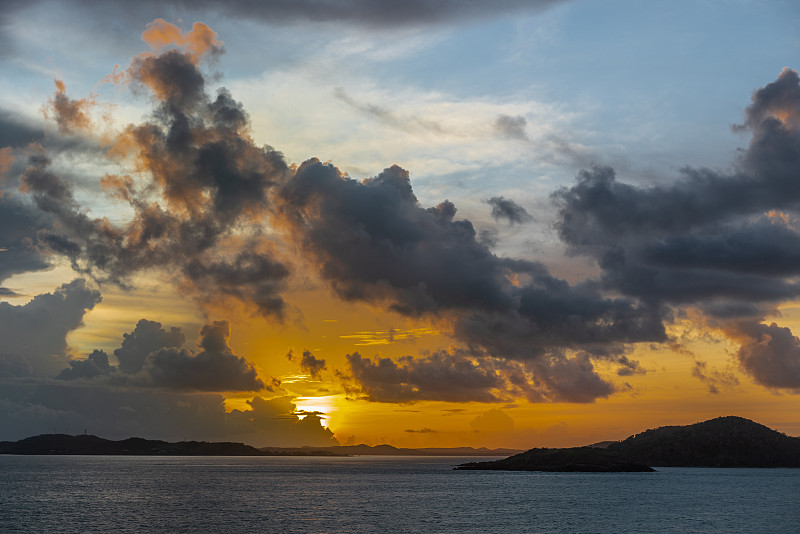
(380, 494)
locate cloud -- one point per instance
(15, 131)
(504, 208)
(386, 14)
(207, 226)
(309, 363)
(494, 420)
(373, 242)
(723, 242)
(70, 115)
(411, 123)
(387, 337)
(210, 208)
(19, 250)
(511, 127)
(213, 368)
(34, 335)
(277, 421)
(147, 337)
(199, 41)
(96, 364)
(714, 379)
(435, 377)
(770, 354)
(151, 356)
(370, 239)
(443, 376)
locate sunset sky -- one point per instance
(430, 223)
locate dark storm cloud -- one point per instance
(249, 276)
(373, 242)
(213, 368)
(212, 178)
(705, 236)
(19, 224)
(443, 376)
(152, 356)
(147, 337)
(96, 364)
(33, 336)
(16, 131)
(439, 377)
(725, 242)
(505, 208)
(568, 380)
(770, 354)
(777, 100)
(552, 315)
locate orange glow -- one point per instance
(198, 41)
(6, 159)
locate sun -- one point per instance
(322, 406)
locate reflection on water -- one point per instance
(381, 494)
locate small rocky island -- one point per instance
(721, 442)
(575, 459)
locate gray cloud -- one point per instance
(96, 364)
(146, 338)
(440, 377)
(443, 376)
(213, 181)
(15, 131)
(19, 224)
(424, 430)
(213, 368)
(308, 363)
(412, 123)
(152, 356)
(725, 243)
(373, 242)
(713, 378)
(505, 208)
(385, 14)
(34, 335)
(511, 127)
(770, 354)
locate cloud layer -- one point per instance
(226, 219)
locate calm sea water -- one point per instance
(380, 494)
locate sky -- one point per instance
(427, 224)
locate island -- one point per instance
(574, 459)
(92, 445)
(721, 442)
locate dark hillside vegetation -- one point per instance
(721, 442)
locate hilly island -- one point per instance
(721, 442)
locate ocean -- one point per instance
(372, 494)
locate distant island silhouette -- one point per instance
(722, 442)
(65, 444)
